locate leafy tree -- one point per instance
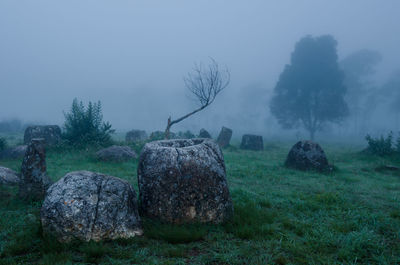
(310, 91)
(84, 125)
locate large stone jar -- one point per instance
(183, 181)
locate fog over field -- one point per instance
(133, 55)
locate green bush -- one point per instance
(3, 144)
(84, 125)
(380, 146)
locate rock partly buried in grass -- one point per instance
(252, 142)
(204, 134)
(34, 180)
(50, 133)
(90, 206)
(14, 152)
(116, 153)
(307, 155)
(184, 181)
(8, 176)
(224, 137)
(136, 136)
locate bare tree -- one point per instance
(204, 83)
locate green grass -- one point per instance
(282, 216)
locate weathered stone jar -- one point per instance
(252, 142)
(34, 180)
(183, 181)
(50, 133)
(224, 137)
(307, 155)
(90, 206)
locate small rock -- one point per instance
(90, 206)
(204, 134)
(183, 181)
(8, 176)
(116, 153)
(252, 142)
(307, 155)
(34, 180)
(50, 133)
(224, 137)
(136, 136)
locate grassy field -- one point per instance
(282, 216)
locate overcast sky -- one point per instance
(132, 55)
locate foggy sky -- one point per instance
(132, 55)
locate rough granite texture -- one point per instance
(90, 206)
(224, 137)
(50, 133)
(204, 134)
(136, 136)
(34, 180)
(307, 155)
(183, 181)
(252, 142)
(116, 153)
(8, 176)
(14, 152)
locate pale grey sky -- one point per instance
(132, 55)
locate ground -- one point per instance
(282, 216)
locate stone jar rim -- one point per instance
(180, 143)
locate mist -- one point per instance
(132, 56)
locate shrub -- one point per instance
(3, 144)
(84, 125)
(380, 146)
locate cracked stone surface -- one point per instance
(50, 133)
(224, 137)
(307, 155)
(90, 206)
(183, 181)
(252, 142)
(8, 176)
(116, 153)
(34, 180)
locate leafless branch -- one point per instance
(204, 83)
